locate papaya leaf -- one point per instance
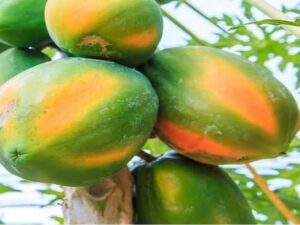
(57, 195)
(270, 22)
(6, 189)
(260, 44)
(49, 51)
(49, 191)
(58, 219)
(156, 147)
(295, 143)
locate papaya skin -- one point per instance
(14, 61)
(3, 47)
(177, 190)
(218, 108)
(22, 23)
(74, 121)
(127, 32)
(162, 2)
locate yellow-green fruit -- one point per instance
(216, 107)
(126, 31)
(74, 121)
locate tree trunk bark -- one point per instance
(106, 202)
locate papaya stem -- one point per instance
(146, 156)
(260, 181)
(185, 29)
(108, 201)
(191, 6)
(274, 13)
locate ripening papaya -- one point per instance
(13, 61)
(123, 31)
(22, 23)
(74, 121)
(217, 107)
(176, 190)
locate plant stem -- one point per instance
(272, 196)
(108, 201)
(185, 29)
(274, 14)
(146, 156)
(191, 6)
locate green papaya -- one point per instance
(3, 47)
(217, 107)
(13, 61)
(22, 23)
(74, 121)
(162, 2)
(176, 190)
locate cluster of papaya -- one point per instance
(81, 118)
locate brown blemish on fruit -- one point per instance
(95, 40)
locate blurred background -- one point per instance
(270, 46)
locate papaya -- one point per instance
(74, 121)
(22, 23)
(123, 31)
(3, 47)
(162, 2)
(176, 190)
(218, 108)
(13, 61)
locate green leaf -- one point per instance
(5, 189)
(50, 51)
(295, 143)
(49, 191)
(270, 22)
(58, 219)
(156, 147)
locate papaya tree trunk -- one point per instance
(106, 202)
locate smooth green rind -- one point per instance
(3, 47)
(127, 32)
(91, 146)
(177, 75)
(14, 61)
(162, 2)
(22, 23)
(176, 190)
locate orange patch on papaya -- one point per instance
(70, 101)
(140, 40)
(102, 158)
(190, 142)
(232, 89)
(76, 18)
